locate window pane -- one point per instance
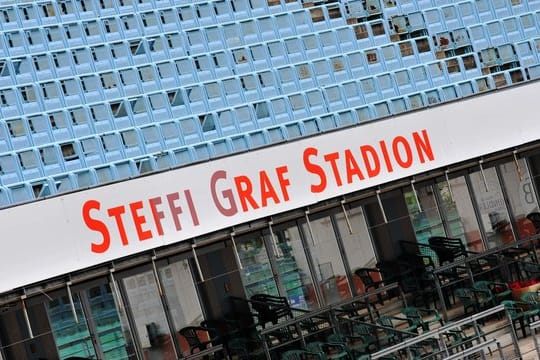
(292, 265)
(329, 268)
(181, 296)
(521, 195)
(256, 271)
(492, 207)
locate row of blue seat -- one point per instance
(190, 13)
(309, 83)
(202, 40)
(90, 59)
(95, 151)
(137, 52)
(35, 186)
(234, 91)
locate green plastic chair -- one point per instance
(301, 355)
(246, 348)
(474, 300)
(532, 298)
(518, 314)
(329, 350)
(422, 318)
(355, 345)
(499, 291)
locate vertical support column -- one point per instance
(156, 275)
(70, 296)
(378, 193)
(197, 262)
(449, 186)
(347, 220)
(235, 250)
(483, 175)
(26, 318)
(416, 196)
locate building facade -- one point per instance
(160, 157)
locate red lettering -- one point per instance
(407, 162)
(423, 146)
(191, 207)
(245, 189)
(157, 215)
(226, 194)
(175, 210)
(352, 167)
(371, 160)
(314, 169)
(117, 212)
(139, 221)
(332, 158)
(386, 157)
(283, 182)
(267, 190)
(96, 225)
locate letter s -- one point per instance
(96, 225)
(314, 169)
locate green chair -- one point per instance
(330, 351)
(532, 298)
(355, 345)
(242, 348)
(393, 334)
(397, 322)
(474, 300)
(301, 355)
(499, 291)
(518, 314)
(422, 318)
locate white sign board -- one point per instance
(71, 232)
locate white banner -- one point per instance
(71, 232)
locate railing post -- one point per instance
(535, 325)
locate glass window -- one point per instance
(492, 207)
(292, 265)
(521, 195)
(424, 213)
(146, 308)
(70, 328)
(257, 274)
(181, 296)
(325, 252)
(17, 343)
(357, 245)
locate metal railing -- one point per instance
(439, 333)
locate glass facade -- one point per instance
(309, 258)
